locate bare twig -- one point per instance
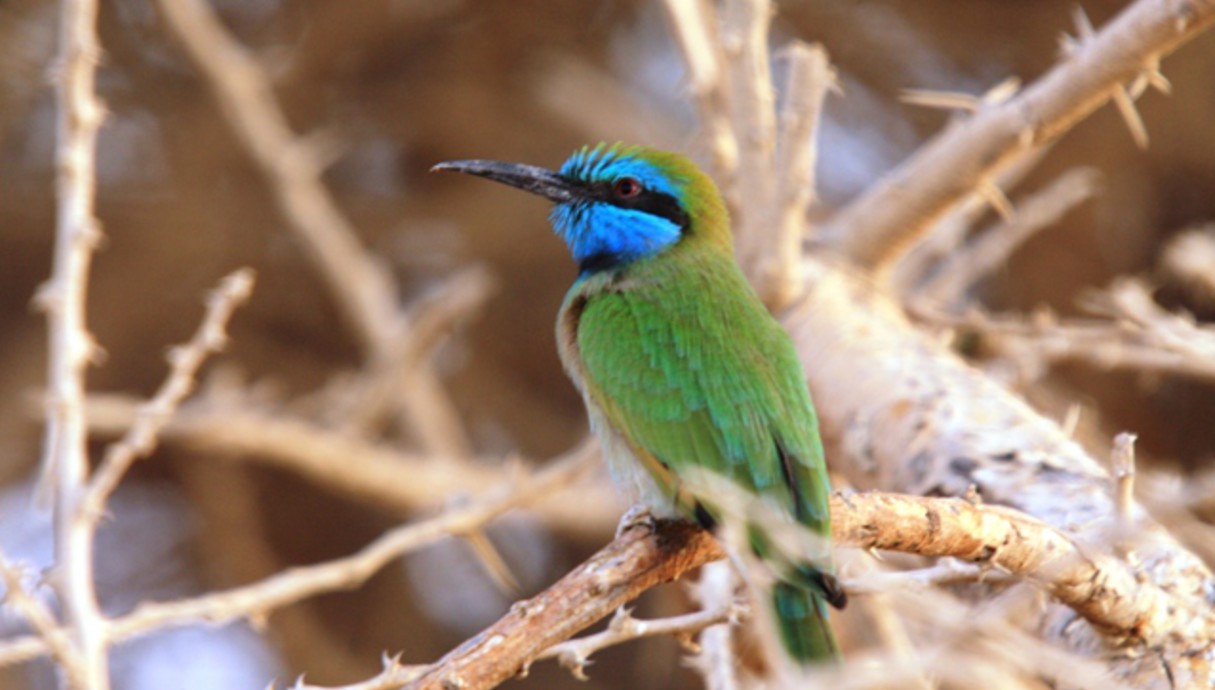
(152, 416)
(43, 622)
(293, 166)
(694, 26)
(717, 662)
(744, 44)
(393, 480)
(361, 285)
(1044, 339)
(431, 318)
(876, 227)
(808, 79)
(1123, 463)
(1130, 300)
(576, 653)
(637, 560)
(305, 581)
(1188, 259)
(995, 245)
(65, 461)
(943, 574)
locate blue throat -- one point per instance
(602, 236)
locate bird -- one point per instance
(684, 373)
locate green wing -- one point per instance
(686, 363)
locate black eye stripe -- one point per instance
(658, 204)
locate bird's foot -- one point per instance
(637, 517)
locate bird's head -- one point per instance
(617, 204)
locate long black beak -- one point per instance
(529, 178)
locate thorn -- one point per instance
(46, 298)
(493, 562)
(1130, 115)
(390, 663)
(687, 642)
(621, 620)
(943, 100)
(576, 662)
(259, 621)
(1071, 419)
(995, 197)
(1002, 92)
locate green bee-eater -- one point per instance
(683, 370)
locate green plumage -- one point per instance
(686, 365)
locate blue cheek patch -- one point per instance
(611, 234)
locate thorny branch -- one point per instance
(1095, 585)
(304, 581)
(876, 227)
(361, 284)
(65, 463)
(152, 416)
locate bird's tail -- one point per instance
(804, 627)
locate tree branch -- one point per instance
(909, 416)
(1095, 585)
(875, 228)
(637, 560)
(396, 481)
(79, 115)
(152, 416)
(301, 582)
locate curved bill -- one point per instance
(529, 178)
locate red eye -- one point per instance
(626, 188)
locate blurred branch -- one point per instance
(943, 574)
(431, 319)
(65, 462)
(950, 232)
(393, 480)
(693, 23)
(1130, 301)
(1042, 339)
(42, 620)
(363, 287)
(993, 247)
(1188, 259)
(876, 227)
(716, 661)
(808, 79)
(750, 105)
(301, 582)
(766, 173)
(153, 415)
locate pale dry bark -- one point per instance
(65, 464)
(904, 414)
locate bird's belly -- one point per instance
(635, 484)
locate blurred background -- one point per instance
(398, 85)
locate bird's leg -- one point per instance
(639, 516)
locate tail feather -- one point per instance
(804, 626)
